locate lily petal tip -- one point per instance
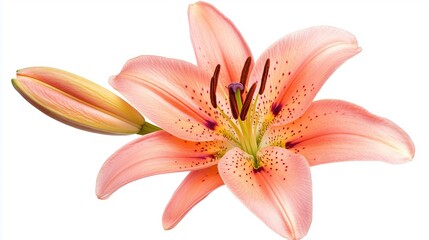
(358, 49)
(199, 5)
(167, 225)
(411, 151)
(196, 4)
(100, 194)
(112, 79)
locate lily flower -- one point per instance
(252, 126)
(77, 101)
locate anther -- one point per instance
(245, 71)
(247, 102)
(232, 90)
(264, 77)
(213, 86)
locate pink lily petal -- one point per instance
(334, 130)
(279, 192)
(196, 186)
(155, 153)
(174, 94)
(300, 64)
(217, 41)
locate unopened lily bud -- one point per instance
(76, 101)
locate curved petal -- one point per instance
(279, 192)
(300, 64)
(196, 186)
(334, 130)
(217, 41)
(174, 94)
(152, 154)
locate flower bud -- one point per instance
(77, 101)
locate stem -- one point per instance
(148, 128)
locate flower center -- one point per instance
(243, 107)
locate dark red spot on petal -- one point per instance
(290, 144)
(276, 108)
(257, 170)
(210, 124)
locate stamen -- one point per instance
(233, 88)
(245, 71)
(264, 77)
(247, 102)
(213, 86)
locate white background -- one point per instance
(48, 169)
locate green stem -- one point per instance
(148, 128)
